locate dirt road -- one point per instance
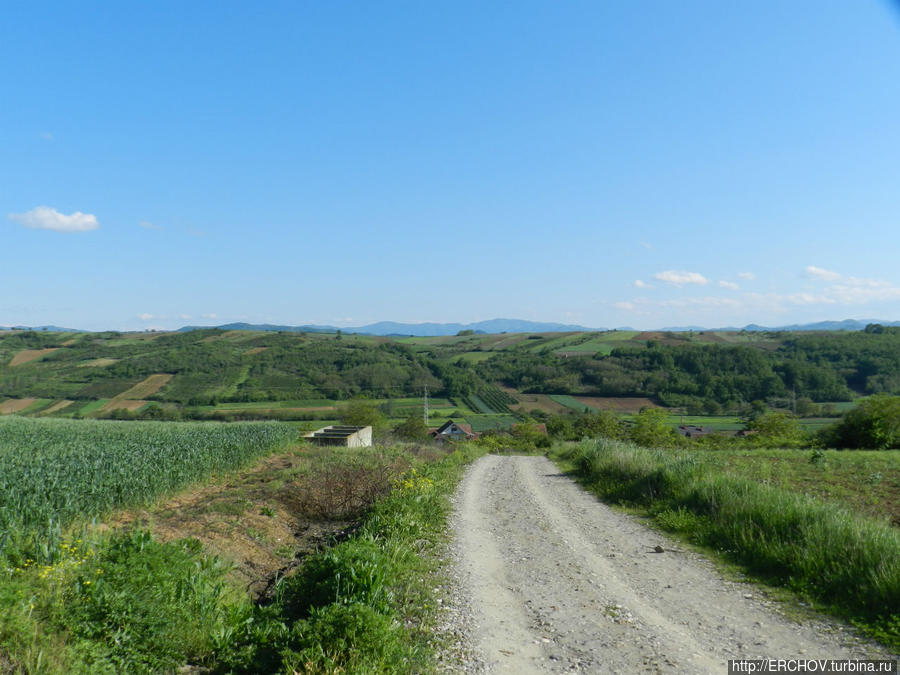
(550, 580)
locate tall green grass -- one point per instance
(821, 550)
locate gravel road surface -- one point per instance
(549, 580)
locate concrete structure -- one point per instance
(338, 434)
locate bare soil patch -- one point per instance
(147, 387)
(98, 363)
(27, 355)
(267, 518)
(540, 402)
(15, 405)
(56, 407)
(250, 519)
(256, 350)
(123, 403)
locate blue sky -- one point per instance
(605, 163)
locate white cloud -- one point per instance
(709, 302)
(46, 218)
(746, 276)
(184, 316)
(627, 306)
(729, 284)
(145, 316)
(642, 284)
(148, 225)
(821, 274)
(681, 278)
(845, 286)
(209, 316)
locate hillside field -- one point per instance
(241, 375)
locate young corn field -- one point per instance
(55, 473)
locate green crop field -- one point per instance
(93, 406)
(54, 472)
(570, 402)
(596, 343)
(481, 423)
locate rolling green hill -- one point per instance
(248, 374)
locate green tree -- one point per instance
(651, 429)
(362, 413)
(777, 429)
(412, 429)
(602, 423)
(529, 434)
(874, 424)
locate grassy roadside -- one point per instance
(847, 564)
(127, 602)
(365, 605)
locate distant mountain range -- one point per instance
(385, 328)
(846, 324)
(389, 328)
(52, 329)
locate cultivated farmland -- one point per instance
(15, 405)
(27, 355)
(53, 472)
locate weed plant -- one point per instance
(125, 603)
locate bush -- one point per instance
(362, 413)
(412, 429)
(873, 425)
(777, 429)
(651, 429)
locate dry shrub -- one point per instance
(345, 490)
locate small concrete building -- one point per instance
(338, 434)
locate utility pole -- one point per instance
(426, 405)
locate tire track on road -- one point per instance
(555, 581)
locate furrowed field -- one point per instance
(53, 472)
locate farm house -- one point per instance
(346, 436)
(451, 431)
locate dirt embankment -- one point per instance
(550, 580)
